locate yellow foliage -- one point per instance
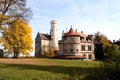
(103, 39)
(105, 42)
(17, 38)
(2, 17)
(50, 53)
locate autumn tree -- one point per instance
(99, 37)
(14, 13)
(101, 40)
(47, 52)
(51, 53)
(17, 39)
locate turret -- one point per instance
(54, 34)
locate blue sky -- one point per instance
(88, 16)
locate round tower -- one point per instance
(54, 34)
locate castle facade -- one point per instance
(73, 45)
(76, 45)
(44, 42)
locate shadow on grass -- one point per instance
(72, 72)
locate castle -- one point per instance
(73, 45)
(44, 42)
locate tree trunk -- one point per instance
(15, 54)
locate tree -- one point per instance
(1, 53)
(112, 66)
(113, 53)
(11, 10)
(99, 53)
(51, 53)
(11, 13)
(101, 39)
(16, 39)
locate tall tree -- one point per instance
(101, 39)
(17, 38)
(11, 10)
(14, 13)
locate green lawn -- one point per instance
(45, 69)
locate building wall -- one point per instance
(38, 46)
(72, 45)
(42, 47)
(45, 46)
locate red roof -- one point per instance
(73, 33)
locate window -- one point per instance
(71, 50)
(76, 49)
(65, 38)
(65, 50)
(81, 38)
(90, 56)
(83, 47)
(89, 48)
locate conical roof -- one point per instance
(71, 33)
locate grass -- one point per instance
(45, 69)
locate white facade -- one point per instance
(54, 34)
(45, 46)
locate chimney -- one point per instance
(76, 30)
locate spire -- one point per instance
(71, 31)
(62, 33)
(66, 30)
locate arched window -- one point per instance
(89, 47)
(83, 47)
(90, 56)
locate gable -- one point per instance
(41, 36)
(38, 39)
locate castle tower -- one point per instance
(54, 34)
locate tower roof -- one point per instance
(73, 33)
